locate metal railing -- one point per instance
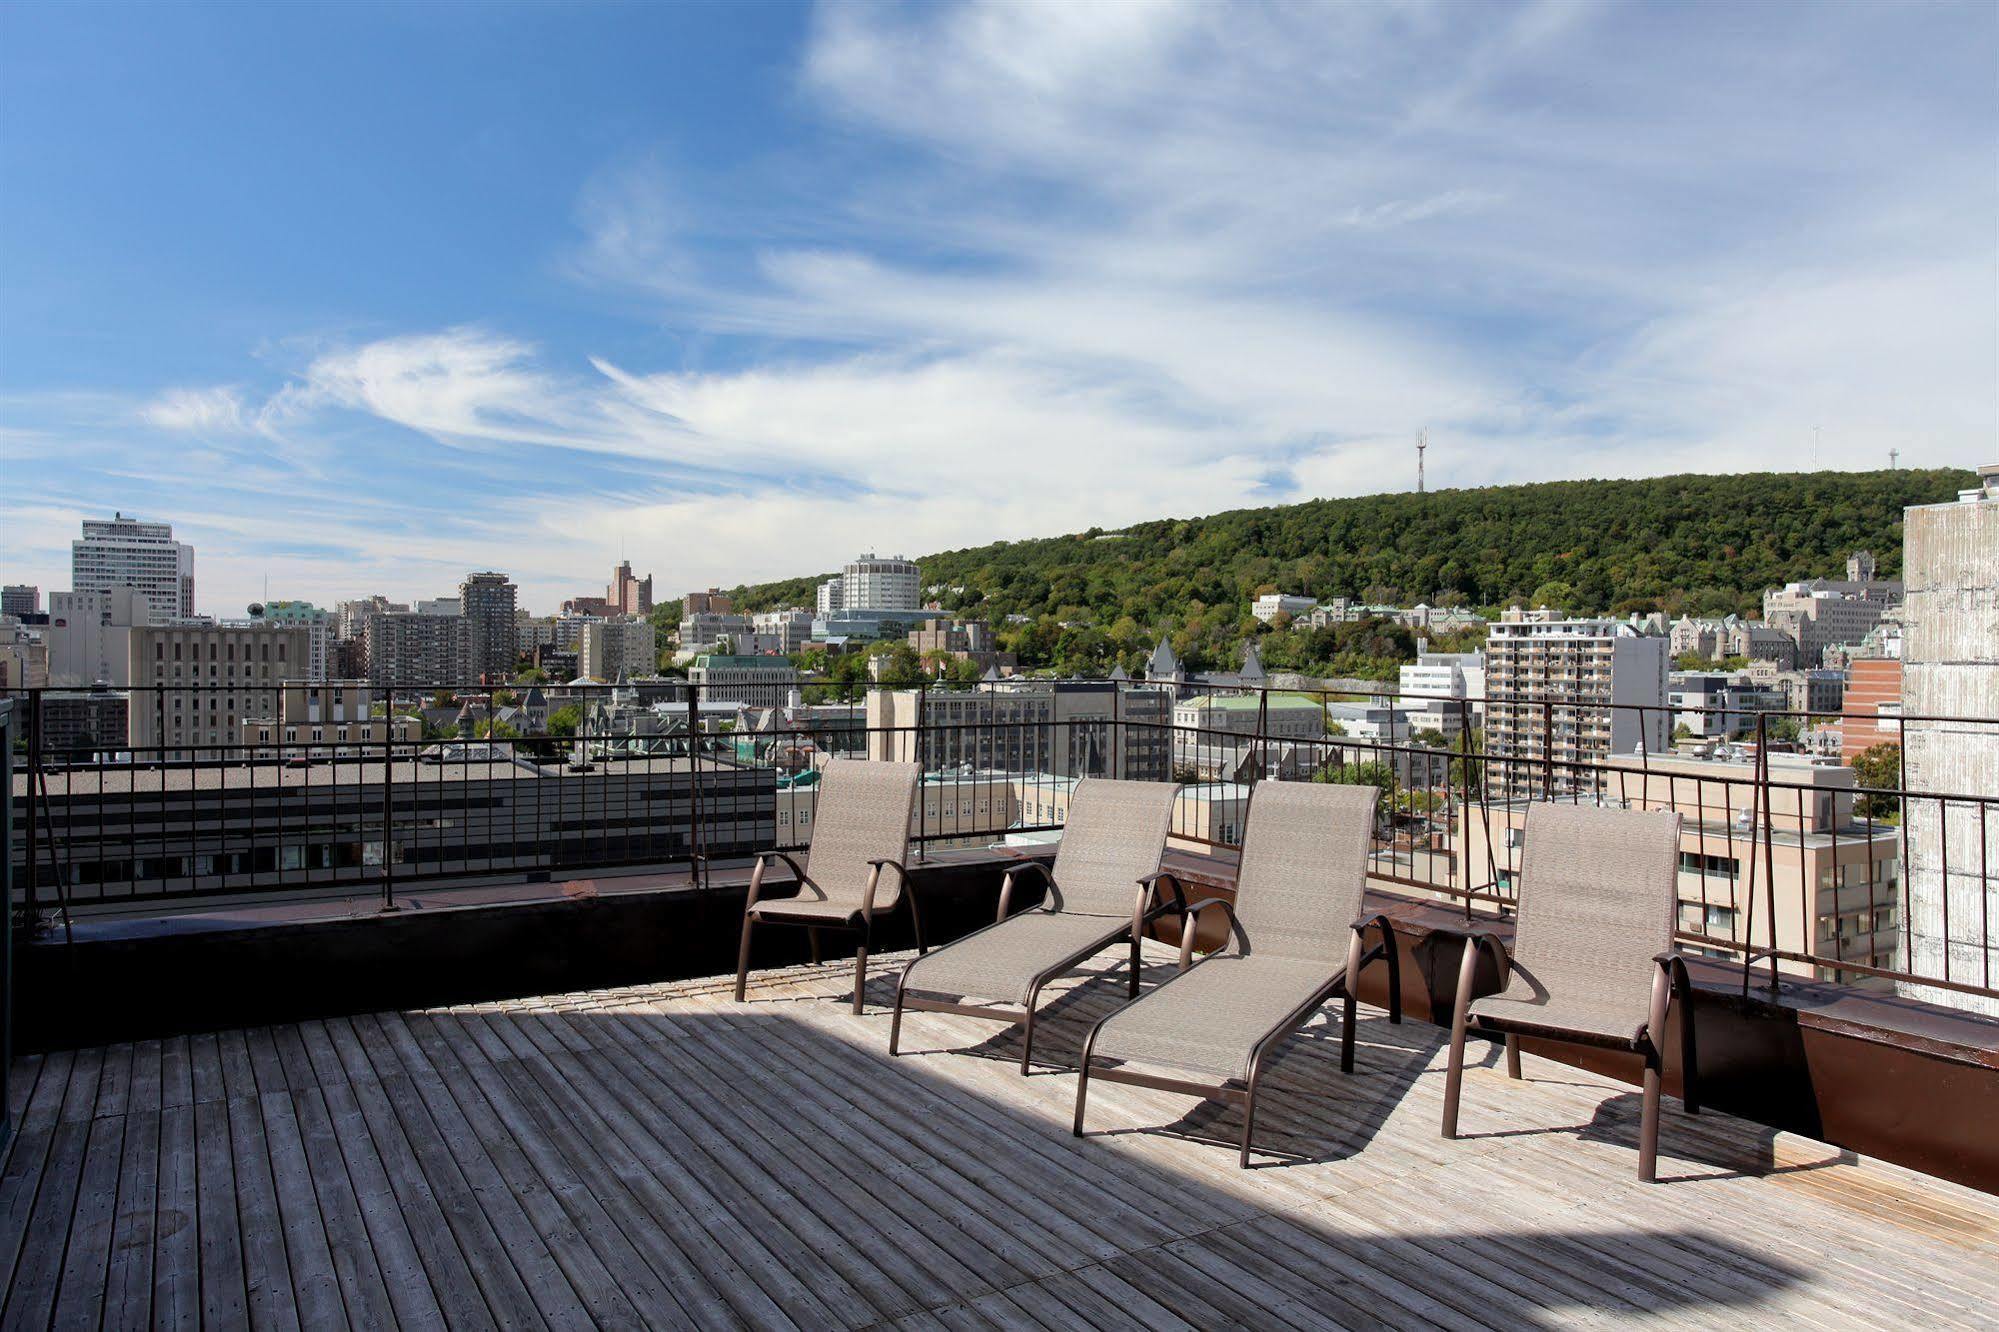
(1786, 867)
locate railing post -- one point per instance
(1547, 748)
(697, 866)
(31, 907)
(922, 766)
(388, 817)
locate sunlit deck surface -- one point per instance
(663, 1156)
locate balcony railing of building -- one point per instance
(1787, 868)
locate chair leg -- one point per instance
(895, 1022)
(915, 920)
(861, 968)
(1082, 1095)
(812, 937)
(1648, 1124)
(1347, 1015)
(743, 956)
(1249, 1112)
(1135, 963)
(1454, 1076)
(1690, 1078)
(1513, 1056)
(1027, 1030)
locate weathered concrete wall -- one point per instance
(1950, 668)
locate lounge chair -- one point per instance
(1297, 914)
(1592, 960)
(1100, 892)
(860, 828)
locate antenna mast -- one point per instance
(1422, 442)
(1894, 460)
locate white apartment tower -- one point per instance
(1550, 684)
(875, 583)
(613, 650)
(124, 552)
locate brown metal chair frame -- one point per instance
(1358, 956)
(1670, 985)
(1132, 930)
(861, 922)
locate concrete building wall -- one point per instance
(1950, 668)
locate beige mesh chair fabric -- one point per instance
(1115, 836)
(1598, 892)
(861, 815)
(1592, 959)
(1295, 939)
(1103, 874)
(1300, 889)
(860, 836)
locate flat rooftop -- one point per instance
(115, 778)
(660, 1155)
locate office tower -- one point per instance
(124, 552)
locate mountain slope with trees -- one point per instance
(1695, 544)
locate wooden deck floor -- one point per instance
(662, 1156)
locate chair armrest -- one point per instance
(1006, 883)
(1477, 941)
(874, 878)
(1670, 984)
(1193, 921)
(1151, 883)
(757, 875)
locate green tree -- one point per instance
(1879, 767)
(1372, 772)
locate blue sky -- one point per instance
(362, 297)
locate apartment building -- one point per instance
(488, 601)
(712, 602)
(1720, 704)
(319, 626)
(24, 657)
(330, 719)
(1551, 683)
(1870, 713)
(617, 649)
(1429, 688)
(409, 649)
(203, 680)
(20, 599)
(1836, 880)
(83, 724)
(761, 682)
(1950, 668)
(1080, 728)
(89, 635)
(124, 552)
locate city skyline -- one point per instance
(732, 293)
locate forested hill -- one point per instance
(1701, 544)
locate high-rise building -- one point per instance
(20, 599)
(89, 635)
(712, 602)
(832, 597)
(124, 552)
(318, 625)
(628, 595)
(1950, 668)
(874, 583)
(1550, 684)
(407, 649)
(488, 602)
(204, 679)
(617, 649)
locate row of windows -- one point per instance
(160, 650)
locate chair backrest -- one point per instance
(1114, 836)
(1304, 867)
(862, 813)
(1598, 890)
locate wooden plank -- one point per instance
(315, 1286)
(224, 1296)
(176, 1232)
(267, 1273)
(431, 1179)
(32, 1293)
(396, 1207)
(80, 1297)
(128, 1294)
(547, 1281)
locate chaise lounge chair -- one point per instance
(1100, 892)
(1298, 912)
(1592, 960)
(860, 828)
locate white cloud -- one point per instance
(196, 411)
